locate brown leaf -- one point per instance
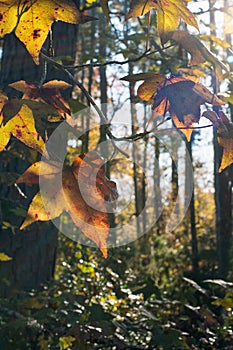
(198, 51)
(182, 98)
(49, 93)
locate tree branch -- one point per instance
(89, 98)
(145, 54)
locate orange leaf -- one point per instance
(49, 93)
(82, 192)
(183, 127)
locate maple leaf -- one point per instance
(21, 126)
(85, 179)
(225, 139)
(148, 88)
(49, 93)
(169, 14)
(182, 98)
(33, 19)
(43, 113)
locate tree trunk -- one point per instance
(33, 250)
(223, 190)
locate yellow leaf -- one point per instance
(225, 139)
(66, 342)
(34, 19)
(8, 16)
(147, 89)
(4, 257)
(140, 8)
(227, 157)
(47, 170)
(38, 209)
(22, 126)
(169, 13)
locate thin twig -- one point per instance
(145, 54)
(89, 98)
(195, 127)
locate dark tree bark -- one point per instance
(33, 250)
(223, 189)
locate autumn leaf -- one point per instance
(4, 257)
(148, 88)
(33, 20)
(22, 126)
(213, 117)
(198, 51)
(44, 115)
(49, 92)
(225, 139)
(182, 98)
(81, 190)
(168, 13)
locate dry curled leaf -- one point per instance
(198, 51)
(81, 190)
